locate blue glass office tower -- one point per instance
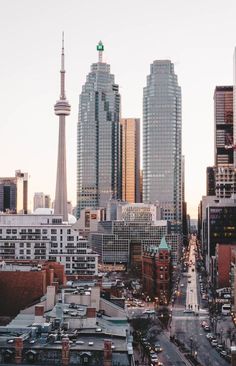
(162, 145)
(98, 138)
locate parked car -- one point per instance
(223, 353)
(214, 343)
(210, 336)
(188, 311)
(219, 348)
(158, 347)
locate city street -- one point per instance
(186, 325)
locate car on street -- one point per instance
(219, 347)
(223, 353)
(210, 336)
(149, 312)
(154, 358)
(188, 311)
(214, 343)
(79, 342)
(228, 358)
(158, 348)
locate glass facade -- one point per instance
(221, 227)
(162, 142)
(114, 240)
(98, 140)
(223, 104)
(130, 136)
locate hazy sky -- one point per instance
(198, 36)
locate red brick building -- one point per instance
(22, 282)
(223, 263)
(156, 271)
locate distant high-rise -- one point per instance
(14, 193)
(162, 142)
(223, 106)
(62, 109)
(224, 171)
(130, 137)
(41, 200)
(234, 107)
(98, 138)
(47, 201)
(210, 181)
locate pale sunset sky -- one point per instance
(197, 36)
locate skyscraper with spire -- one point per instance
(62, 109)
(98, 138)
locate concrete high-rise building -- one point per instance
(41, 200)
(162, 142)
(130, 137)
(47, 203)
(62, 109)
(224, 170)
(223, 106)
(141, 185)
(210, 181)
(98, 138)
(14, 193)
(234, 107)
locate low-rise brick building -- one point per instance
(22, 282)
(156, 271)
(223, 263)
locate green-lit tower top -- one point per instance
(100, 49)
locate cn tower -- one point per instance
(62, 109)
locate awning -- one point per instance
(31, 351)
(9, 351)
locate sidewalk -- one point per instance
(225, 330)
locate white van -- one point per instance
(226, 309)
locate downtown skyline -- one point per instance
(30, 80)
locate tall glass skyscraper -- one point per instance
(162, 141)
(130, 136)
(98, 138)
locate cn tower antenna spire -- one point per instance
(63, 71)
(62, 109)
(100, 49)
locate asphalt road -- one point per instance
(187, 326)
